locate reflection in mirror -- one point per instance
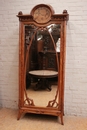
(42, 51)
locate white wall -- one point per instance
(76, 55)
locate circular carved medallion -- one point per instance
(42, 13)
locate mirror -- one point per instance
(41, 56)
(42, 44)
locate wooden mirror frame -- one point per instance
(39, 21)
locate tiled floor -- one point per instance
(8, 121)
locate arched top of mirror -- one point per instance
(42, 14)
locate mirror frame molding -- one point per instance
(51, 18)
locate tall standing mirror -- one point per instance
(41, 61)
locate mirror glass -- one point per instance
(42, 54)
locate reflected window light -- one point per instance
(50, 27)
(39, 37)
(58, 45)
(50, 30)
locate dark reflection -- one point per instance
(41, 45)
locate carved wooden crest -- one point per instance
(42, 13)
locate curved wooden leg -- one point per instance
(61, 117)
(19, 114)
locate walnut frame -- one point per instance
(29, 19)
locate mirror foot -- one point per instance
(61, 118)
(19, 114)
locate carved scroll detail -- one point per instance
(53, 103)
(29, 101)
